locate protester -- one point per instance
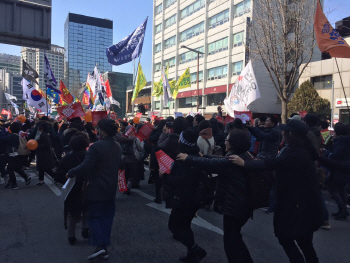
(219, 109)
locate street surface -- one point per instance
(32, 231)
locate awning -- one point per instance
(207, 91)
(190, 93)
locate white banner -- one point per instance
(33, 97)
(244, 91)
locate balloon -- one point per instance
(88, 116)
(136, 120)
(22, 118)
(32, 145)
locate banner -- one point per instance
(54, 95)
(4, 112)
(108, 89)
(129, 48)
(71, 111)
(29, 73)
(165, 162)
(228, 119)
(140, 82)
(10, 97)
(244, 91)
(166, 89)
(183, 82)
(98, 115)
(65, 94)
(113, 115)
(130, 132)
(139, 114)
(50, 81)
(153, 113)
(244, 116)
(178, 114)
(146, 130)
(34, 97)
(122, 186)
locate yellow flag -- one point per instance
(140, 82)
(158, 86)
(183, 82)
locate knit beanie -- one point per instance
(188, 138)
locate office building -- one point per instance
(10, 83)
(85, 40)
(11, 63)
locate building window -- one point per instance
(219, 19)
(218, 46)
(237, 68)
(157, 105)
(157, 67)
(158, 48)
(170, 21)
(170, 42)
(190, 55)
(158, 28)
(322, 82)
(242, 8)
(191, 9)
(169, 62)
(159, 9)
(238, 39)
(188, 102)
(194, 77)
(215, 99)
(169, 3)
(191, 32)
(217, 73)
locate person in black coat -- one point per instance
(180, 192)
(101, 166)
(298, 212)
(231, 199)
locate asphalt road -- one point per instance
(31, 231)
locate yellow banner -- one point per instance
(183, 82)
(140, 82)
(158, 86)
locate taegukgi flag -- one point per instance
(34, 97)
(244, 91)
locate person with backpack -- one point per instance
(232, 195)
(15, 161)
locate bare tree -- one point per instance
(282, 37)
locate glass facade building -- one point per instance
(85, 40)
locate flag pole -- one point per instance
(342, 84)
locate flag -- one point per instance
(113, 101)
(71, 111)
(166, 89)
(86, 98)
(130, 132)
(33, 97)
(183, 82)
(108, 89)
(140, 82)
(17, 111)
(65, 94)
(100, 97)
(14, 105)
(129, 48)
(91, 83)
(328, 39)
(146, 130)
(97, 77)
(54, 95)
(10, 97)
(4, 112)
(244, 91)
(50, 81)
(165, 162)
(9, 115)
(122, 185)
(243, 115)
(29, 73)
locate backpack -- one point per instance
(211, 147)
(22, 148)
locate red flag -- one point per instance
(164, 161)
(71, 111)
(131, 131)
(146, 130)
(98, 115)
(220, 119)
(5, 112)
(328, 39)
(65, 94)
(108, 89)
(228, 119)
(244, 116)
(139, 114)
(85, 99)
(122, 181)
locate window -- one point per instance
(189, 10)
(159, 9)
(190, 55)
(158, 28)
(157, 105)
(237, 68)
(217, 73)
(191, 32)
(188, 102)
(158, 48)
(215, 99)
(219, 19)
(238, 39)
(170, 21)
(169, 62)
(157, 67)
(242, 8)
(322, 82)
(170, 42)
(218, 46)
(194, 77)
(169, 3)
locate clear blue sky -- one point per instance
(127, 15)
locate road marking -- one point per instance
(197, 221)
(52, 186)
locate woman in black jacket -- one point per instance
(298, 212)
(180, 191)
(231, 199)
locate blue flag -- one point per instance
(129, 48)
(50, 81)
(54, 95)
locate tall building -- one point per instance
(10, 83)
(85, 40)
(10, 62)
(35, 58)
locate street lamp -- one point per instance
(198, 52)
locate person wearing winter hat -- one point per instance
(205, 140)
(180, 191)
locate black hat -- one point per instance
(188, 138)
(238, 124)
(295, 126)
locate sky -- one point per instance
(127, 15)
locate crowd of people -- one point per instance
(212, 167)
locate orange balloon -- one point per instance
(88, 116)
(136, 120)
(32, 145)
(22, 118)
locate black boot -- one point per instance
(343, 214)
(194, 254)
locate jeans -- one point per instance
(180, 224)
(307, 253)
(235, 248)
(100, 220)
(15, 164)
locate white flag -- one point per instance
(10, 97)
(113, 101)
(17, 111)
(14, 105)
(166, 89)
(244, 91)
(92, 83)
(34, 97)
(97, 79)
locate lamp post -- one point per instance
(198, 52)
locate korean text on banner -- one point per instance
(146, 130)
(183, 82)
(122, 181)
(130, 132)
(165, 162)
(71, 111)
(98, 115)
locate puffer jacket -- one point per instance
(231, 197)
(270, 139)
(202, 143)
